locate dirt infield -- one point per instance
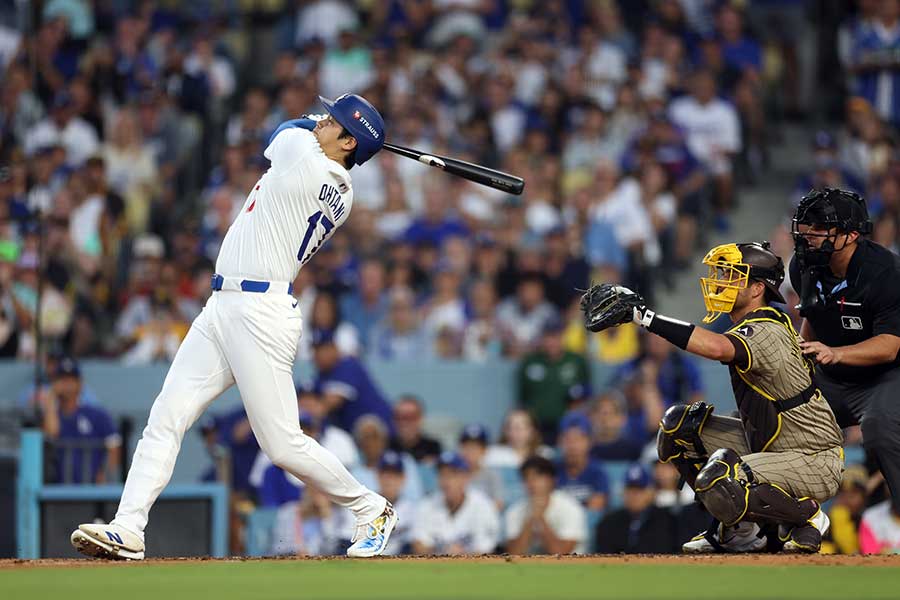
(757, 560)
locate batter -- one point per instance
(248, 332)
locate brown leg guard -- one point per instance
(726, 487)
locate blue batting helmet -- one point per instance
(361, 119)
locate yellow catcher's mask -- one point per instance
(728, 275)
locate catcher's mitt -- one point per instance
(607, 305)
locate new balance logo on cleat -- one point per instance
(114, 537)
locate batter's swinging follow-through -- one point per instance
(248, 332)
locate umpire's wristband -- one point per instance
(672, 330)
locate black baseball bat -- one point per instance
(489, 177)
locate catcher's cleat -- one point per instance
(372, 538)
(112, 542)
(806, 538)
(741, 538)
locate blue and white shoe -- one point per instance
(372, 538)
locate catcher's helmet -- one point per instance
(831, 211)
(361, 119)
(731, 268)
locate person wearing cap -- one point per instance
(248, 332)
(473, 444)
(63, 127)
(88, 443)
(547, 520)
(391, 473)
(345, 384)
(849, 291)
(547, 376)
(521, 318)
(371, 436)
(456, 519)
(581, 476)
(639, 527)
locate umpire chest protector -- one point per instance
(854, 308)
(768, 375)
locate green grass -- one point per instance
(333, 580)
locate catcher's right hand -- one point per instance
(607, 305)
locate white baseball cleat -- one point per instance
(743, 537)
(112, 542)
(808, 538)
(372, 538)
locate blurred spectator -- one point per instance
(457, 519)
(326, 317)
(846, 512)
(9, 307)
(481, 336)
(550, 378)
(677, 376)
(391, 481)
(131, 167)
(368, 304)
(612, 438)
(473, 443)
(639, 527)
(547, 521)
(519, 439)
(89, 446)
(314, 526)
(409, 438)
(522, 317)
(666, 478)
(344, 384)
(879, 530)
(398, 335)
(444, 313)
(371, 435)
(713, 135)
(63, 128)
(873, 60)
(581, 476)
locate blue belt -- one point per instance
(246, 285)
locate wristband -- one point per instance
(675, 331)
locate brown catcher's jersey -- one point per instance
(780, 407)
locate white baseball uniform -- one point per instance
(248, 332)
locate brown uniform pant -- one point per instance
(817, 476)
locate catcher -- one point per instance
(771, 469)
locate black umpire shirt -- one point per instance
(857, 307)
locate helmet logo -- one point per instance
(356, 115)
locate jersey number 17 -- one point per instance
(314, 220)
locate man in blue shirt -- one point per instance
(234, 432)
(345, 385)
(875, 60)
(88, 443)
(578, 474)
(368, 304)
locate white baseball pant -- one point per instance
(249, 339)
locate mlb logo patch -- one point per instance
(853, 323)
(356, 115)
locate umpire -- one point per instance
(850, 299)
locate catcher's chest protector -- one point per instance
(774, 378)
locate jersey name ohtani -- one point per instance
(330, 196)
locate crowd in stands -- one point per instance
(130, 133)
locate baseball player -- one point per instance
(782, 458)
(248, 332)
